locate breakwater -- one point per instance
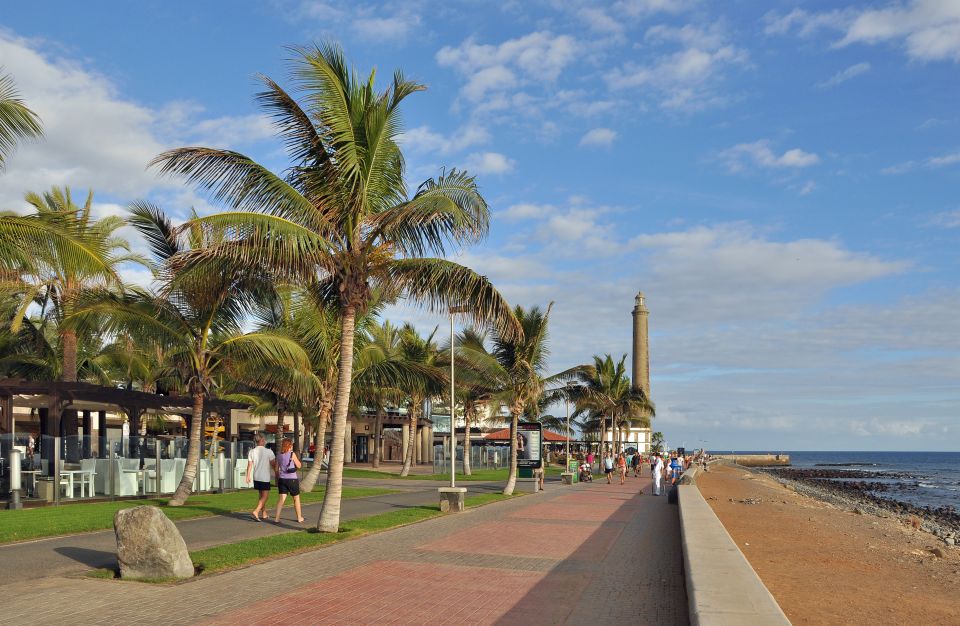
(756, 460)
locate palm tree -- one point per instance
(341, 218)
(425, 378)
(475, 386)
(383, 375)
(198, 321)
(515, 368)
(55, 280)
(604, 392)
(17, 122)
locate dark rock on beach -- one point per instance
(845, 488)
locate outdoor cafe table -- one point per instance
(141, 479)
(85, 478)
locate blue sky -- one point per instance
(780, 178)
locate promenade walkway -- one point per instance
(79, 553)
(580, 554)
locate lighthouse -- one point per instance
(641, 366)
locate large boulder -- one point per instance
(149, 545)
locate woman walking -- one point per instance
(288, 483)
(622, 467)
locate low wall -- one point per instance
(756, 460)
(722, 587)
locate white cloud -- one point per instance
(231, 131)
(424, 139)
(395, 22)
(597, 19)
(845, 74)
(944, 160)
(642, 8)
(525, 211)
(947, 219)
(806, 24)
(538, 57)
(598, 137)
(759, 154)
(688, 78)
(393, 28)
(93, 136)
(730, 272)
(807, 188)
(929, 30)
(489, 79)
(488, 163)
(746, 340)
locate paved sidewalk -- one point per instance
(574, 555)
(73, 554)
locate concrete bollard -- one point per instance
(452, 499)
(15, 480)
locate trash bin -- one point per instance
(45, 489)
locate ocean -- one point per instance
(919, 478)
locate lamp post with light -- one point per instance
(453, 399)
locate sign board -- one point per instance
(530, 444)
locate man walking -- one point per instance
(260, 464)
(657, 474)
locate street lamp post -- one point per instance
(453, 402)
(566, 404)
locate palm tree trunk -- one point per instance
(411, 441)
(281, 419)
(296, 432)
(307, 432)
(377, 441)
(512, 476)
(185, 488)
(603, 438)
(467, 416)
(329, 521)
(69, 338)
(310, 480)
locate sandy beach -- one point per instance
(828, 564)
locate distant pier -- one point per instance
(756, 460)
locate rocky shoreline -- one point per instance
(837, 488)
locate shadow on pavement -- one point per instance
(91, 558)
(629, 570)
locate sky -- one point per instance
(780, 178)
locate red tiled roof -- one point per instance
(504, 435)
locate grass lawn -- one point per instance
(477, 475)
(76, 518)
(243, 552)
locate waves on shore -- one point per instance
(886, 491)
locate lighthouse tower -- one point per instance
(641, 365)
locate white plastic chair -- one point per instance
(125, 481)
(240, 475)
(202, 480)
(89, 467)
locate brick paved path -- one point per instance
(75, 554)
(585, 554)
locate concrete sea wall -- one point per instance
(722, 586)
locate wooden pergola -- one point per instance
(61, 406)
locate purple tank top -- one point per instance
(283, 461)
